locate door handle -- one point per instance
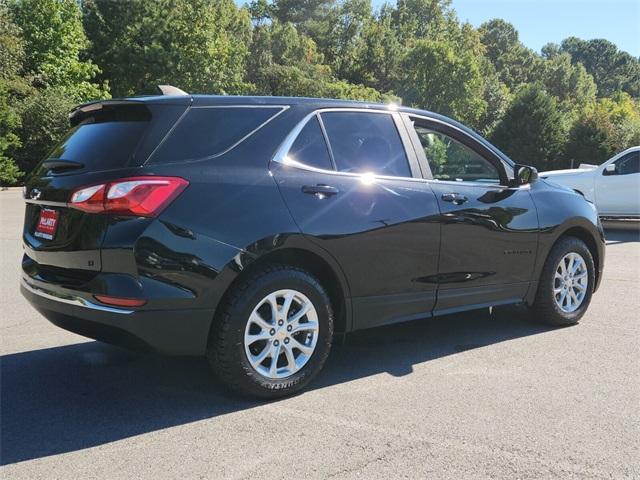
(454, 198)
(320, 191)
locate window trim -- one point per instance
(283, 108)
(327, 142)
(425, 168)
(465, 139)
(280, 156)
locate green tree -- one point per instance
(197, 45)
(533, 130)
(572, 86)
(288, 47)
(55, 42)
(612, 69)
(9, 172)
(284, 61)
(342, 41)
(9, 124)
(300, 12)
(12, 53)
(497, 98)
(11, 85)
(515, 64)
(44, 122)
(282, 45)
(438, 78)
(590, 140)
(422, 19)
(495, 93)
(315, 82)
(378, 55)
(261, 11)
(607, 127)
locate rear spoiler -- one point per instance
(82, 111)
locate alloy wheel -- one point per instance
(570, 282)
(281, 334)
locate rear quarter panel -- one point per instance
(230, 214)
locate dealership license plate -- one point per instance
(47, 224)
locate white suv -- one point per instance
(613, 186)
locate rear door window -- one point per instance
(364, 142)
(310, 148)
(210, 131)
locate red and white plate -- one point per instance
(47, 224)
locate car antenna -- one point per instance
(170, 90)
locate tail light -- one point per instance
(136, 196)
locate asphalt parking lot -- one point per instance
(463, 396)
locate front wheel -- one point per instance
(273, 334)
(566, 283)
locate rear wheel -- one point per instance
(273, 334)
(566, 283)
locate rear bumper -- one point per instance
(174, 332)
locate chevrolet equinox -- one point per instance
(254, 229)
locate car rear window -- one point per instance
(206, 132)
(106, 138)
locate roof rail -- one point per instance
(172, 91)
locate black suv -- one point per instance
(252, 230)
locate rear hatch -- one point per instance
(107, 140)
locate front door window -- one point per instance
(453, 161)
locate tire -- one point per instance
(228, 350)
(546, 307)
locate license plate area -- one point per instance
(47, 224)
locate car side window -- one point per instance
(364, 142)
(626, 165)
(310, 147)
(453, 161)
(210, 131)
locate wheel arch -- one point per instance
(589, 235)
(326, 270)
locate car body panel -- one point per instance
(489, 237)
(618, 195)
(383, 233)
(395, 250)
(561, 210)
(489, 244)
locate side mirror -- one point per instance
(610, 169)
(524, 174)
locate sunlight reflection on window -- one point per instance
(368, 178)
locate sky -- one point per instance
(542, 21)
